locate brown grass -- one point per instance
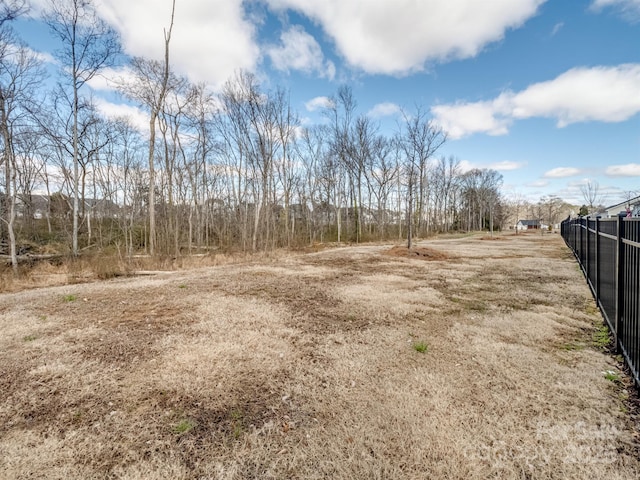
(496, 237)
(424, 253)
(304, 366)
(96, 266)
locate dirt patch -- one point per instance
(423, 253)
(350, 362)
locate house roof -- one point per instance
(533, 223)
(623, 205)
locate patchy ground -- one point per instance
(356, 362)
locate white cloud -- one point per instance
(630, 9)
(300, 51)
(628, 170)
(466, 166)
(385, 109)
(616, 3)
(109, 78)
(608, 94)
(462, 119)
(139, 119)
(605, 94)
(399, 36)
(318, 103)
(211, 38)
(214, 38)
(44, 57)
(556, 28)
(36, 7)
(13, 52)
(562, 172)
(538, 184)
(102, 82)
(506, 166)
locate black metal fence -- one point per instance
(608, 251)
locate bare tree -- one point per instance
(30, 169)
(591, 194)
(517, 201)
(491, 181)
(200, 115)
(257, 132)
(311, 147)
(445, 180)
(481, 197)
(11, 9)
(171, 120)
(420, 139)
(88, 46)
(153, 81)
(19, 76)
(234, 169)
(288, 175)
(340, 113)
(551, 209)
(124, 179)
(383, 173)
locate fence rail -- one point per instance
(608, 251)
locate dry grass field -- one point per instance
(471, 358)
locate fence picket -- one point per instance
(610, 262)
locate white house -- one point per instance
(632, 203)
(527, 225)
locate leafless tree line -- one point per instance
(234, 169)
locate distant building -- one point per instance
(614, 210)
(528, 225)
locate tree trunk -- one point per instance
(10, 182)
(12, 235)
(155, 110)
(410, 214)
(152, 180)
(76, 161)
(256, 224)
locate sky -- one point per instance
(547, 92)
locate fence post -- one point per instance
(581, 253)
(587, 257)
(619, 284)
(597, 262)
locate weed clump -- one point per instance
(183, 426)
(601, 338)
(420, 347)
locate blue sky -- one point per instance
(545, 91)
